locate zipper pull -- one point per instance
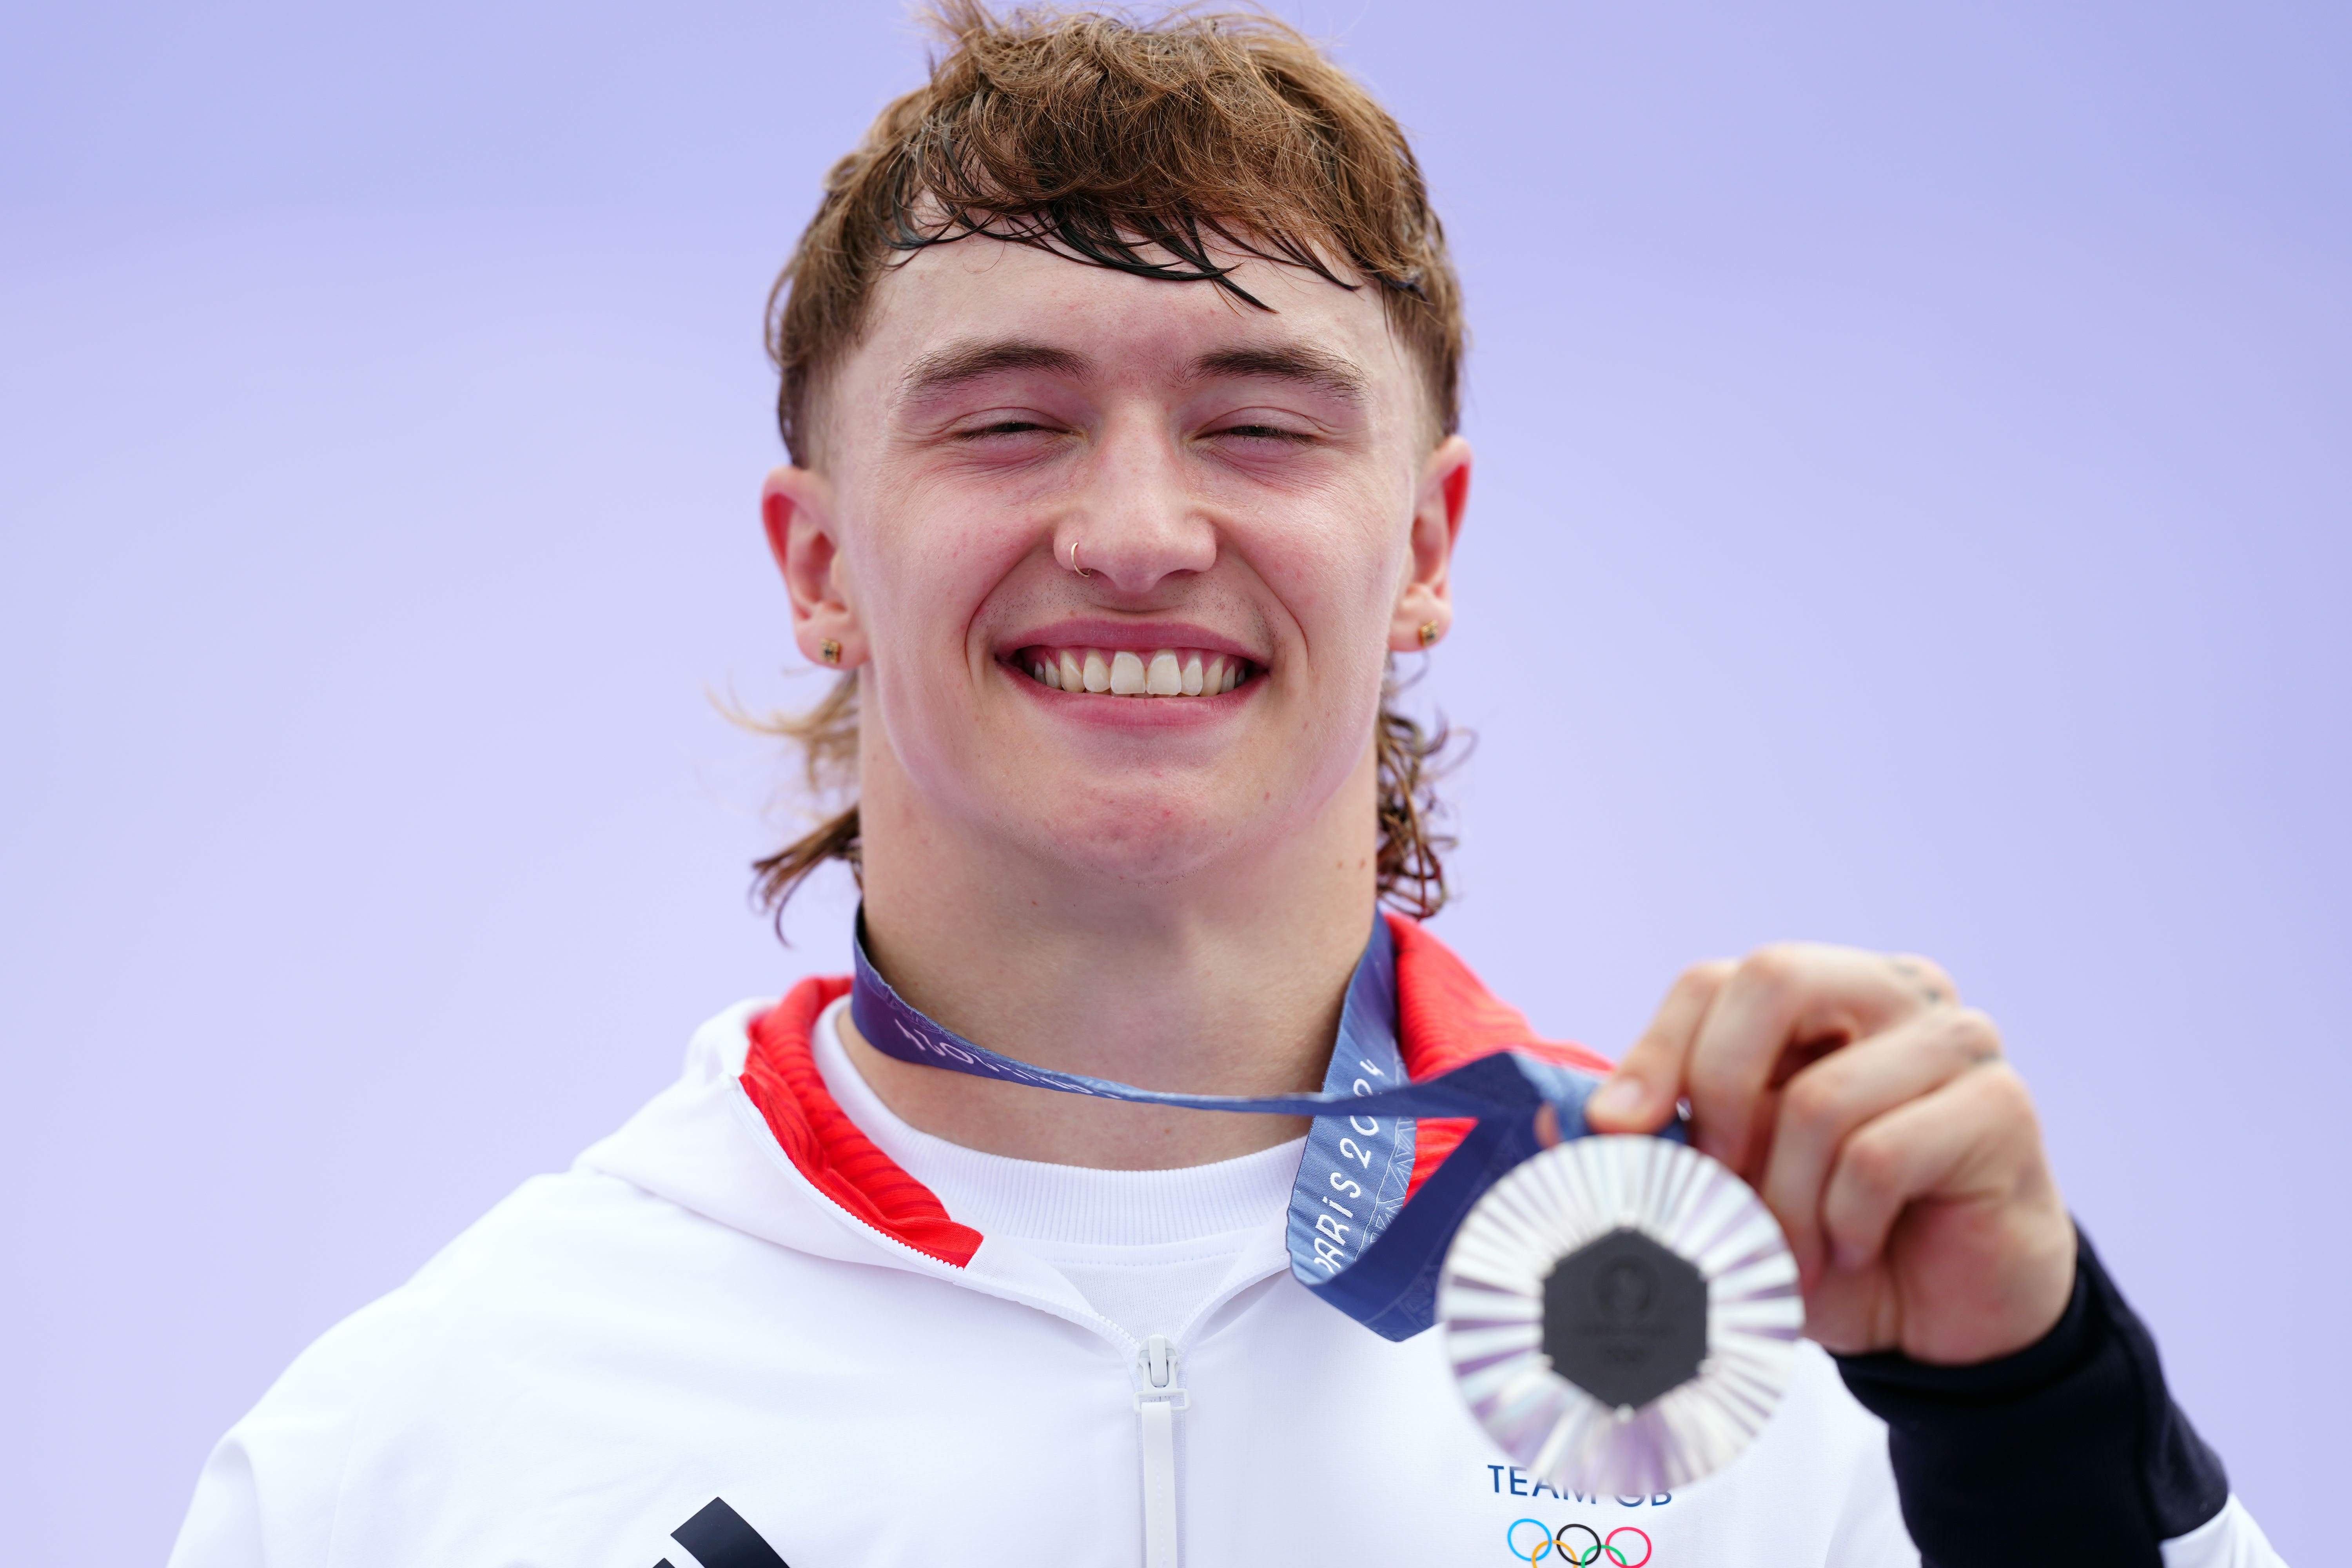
(1156, 1403)
(1157, 1359)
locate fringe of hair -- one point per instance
(827, 738)
(1410, 760)
(1129, 145)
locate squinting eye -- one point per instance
(1009, 427)
(1265, 433)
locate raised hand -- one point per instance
(1880, 1122)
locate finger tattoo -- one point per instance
(1929, 991)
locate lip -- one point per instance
(1103, 711)
(1138, 636)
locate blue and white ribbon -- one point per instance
(1354, 1240)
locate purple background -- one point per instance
(1917, 454)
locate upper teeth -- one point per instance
(1125, 672)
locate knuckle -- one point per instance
(1703, 978)
(1930, 979)
(1973, 1035)
(1811, 1102)
(1872, 1163)
(1775, 967)
(2011, 1101)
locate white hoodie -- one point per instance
(736, 1311)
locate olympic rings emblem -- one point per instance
(1579, 1545)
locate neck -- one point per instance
(1227, 980)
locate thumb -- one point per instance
(1640, 1096)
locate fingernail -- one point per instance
(1620, 1096)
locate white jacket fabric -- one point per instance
(689, 1349)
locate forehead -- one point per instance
(1126, 329)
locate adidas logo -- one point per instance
(720, 1538)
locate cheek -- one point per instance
(1340, 580)
(1338, 568)
(923, 571)
(920, 577)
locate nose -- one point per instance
(1132, 522)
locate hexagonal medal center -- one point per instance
(1624, 1318)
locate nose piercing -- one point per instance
(829, 651)
(1428, 633)
(1073, 561)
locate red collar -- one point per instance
(1445, 1018)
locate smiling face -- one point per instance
(1120, 561)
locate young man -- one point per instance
(1120, 381)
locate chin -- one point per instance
(1145, 838)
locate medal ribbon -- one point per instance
(1354, 1240)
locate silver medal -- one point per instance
(1621, 1314)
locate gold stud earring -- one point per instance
(829, 651)
(1428, 633)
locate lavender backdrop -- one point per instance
(1918, 457)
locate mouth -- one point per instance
(1159, 673)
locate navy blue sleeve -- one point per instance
(2072, 1449)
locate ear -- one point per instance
(1427, 598)
(796, 508)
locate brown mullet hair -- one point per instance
(1130, 146)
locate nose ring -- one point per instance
(1073, 561)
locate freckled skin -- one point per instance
(1191, 896)
(954, 515)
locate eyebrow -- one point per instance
(1303, 363)
(944, 370)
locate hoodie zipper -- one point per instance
(1161, 1367)
(1156, 1403)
